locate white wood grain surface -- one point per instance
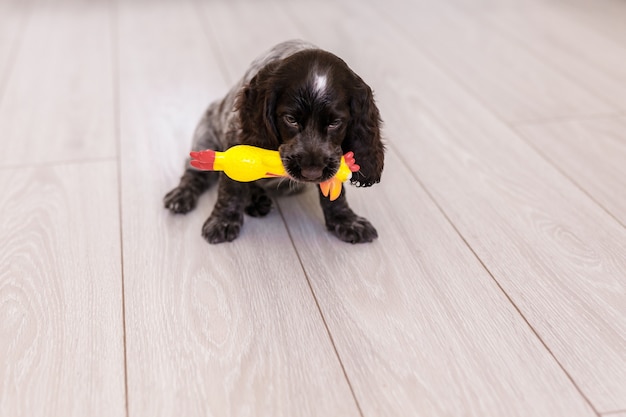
(496, 287)
(527, 222)
(526, 231)
(492, 67)
(58, 101)
(228, 330)
(603, 16)
(61, 325)
(615, 414)
(365, 291)
(590, 152)
(592, 60)
(420, 326)
(221, 18)
(13, 17)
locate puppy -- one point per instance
(311, 107)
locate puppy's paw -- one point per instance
(260, 205)
(223, 227)
(181, 200)
(353, 229)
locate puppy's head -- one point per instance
(313, 109)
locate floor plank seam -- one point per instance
(553, 120)
(59, 163)
(484, 105)
(427, 56)
(319, 309)
(115, 57)
(392, 22)
(610, 413)
(532, 52)
(207, 29)
(568, 177)
(576, 17)
(508, 297)
(14, 50)
(461, 85)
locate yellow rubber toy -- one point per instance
(245, 163)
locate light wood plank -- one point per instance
(58, 101)
(594, 61)
(420, 326)
(615, 414)
(412, 315)
(511, 81)
(260, 34)
(604, 16)
(226, 330)
(13, 15)
(591, 152)
(555, 252)
(241, 335)
(61, 328)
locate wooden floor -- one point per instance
(497, 287)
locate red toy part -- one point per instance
(203, 160)
(351, 162)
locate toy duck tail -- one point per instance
(203, 160)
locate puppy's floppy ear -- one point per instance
(363, 135)
(256, 104)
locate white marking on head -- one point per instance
(319, 84)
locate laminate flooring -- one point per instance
(497, 286)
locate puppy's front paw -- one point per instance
(353, 229)
(260, 205)
(223, 227)
(181, 200)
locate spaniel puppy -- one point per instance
(311, 107)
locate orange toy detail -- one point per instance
(245, 163)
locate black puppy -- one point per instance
(311, 107)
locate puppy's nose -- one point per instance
(312, 173)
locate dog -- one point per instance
(310, 106)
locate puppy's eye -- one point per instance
(334, 124)
(290, 120)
